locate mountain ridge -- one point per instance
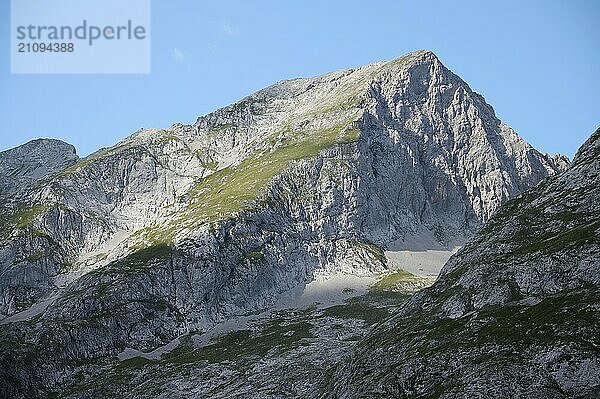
(170, 232)
(513, 313)
(179, 150)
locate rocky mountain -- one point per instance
(24, 166)
(173, 231)
(515, 313)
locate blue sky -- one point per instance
(536, 62)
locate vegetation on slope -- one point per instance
(235, 188)
(399, 281)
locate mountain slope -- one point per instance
(515, 313)
(386, 126)
(171, 231)
(24, 166)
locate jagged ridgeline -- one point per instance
(516, 313)
(172, 231)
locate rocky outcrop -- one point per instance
(24, 166)
(514, 313)
(173, 230)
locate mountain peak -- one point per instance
(40, 145)
(520, 297)
(23, 166)
(590, 150)
(177, 229)
(421, 55)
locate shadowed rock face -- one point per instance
(173, 230)
(515, 313)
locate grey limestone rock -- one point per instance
(171, 231)
(515, 313)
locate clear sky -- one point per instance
(536, 62)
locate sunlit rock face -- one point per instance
(172, 231)
(513, 314)
(24, 166)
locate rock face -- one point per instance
(24, 166)
(171, 231)
(515, 313)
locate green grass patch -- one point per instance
(135, 363)
(277, 335)
(344, 105)
(232, 189)
(137, 262)
(75, 167)
(228, 191)
(574, 237)
(396, 281)
(255, 256)
(570, 312)
(25, 216)
(211, 165)
(21, 217)
(359, 308)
